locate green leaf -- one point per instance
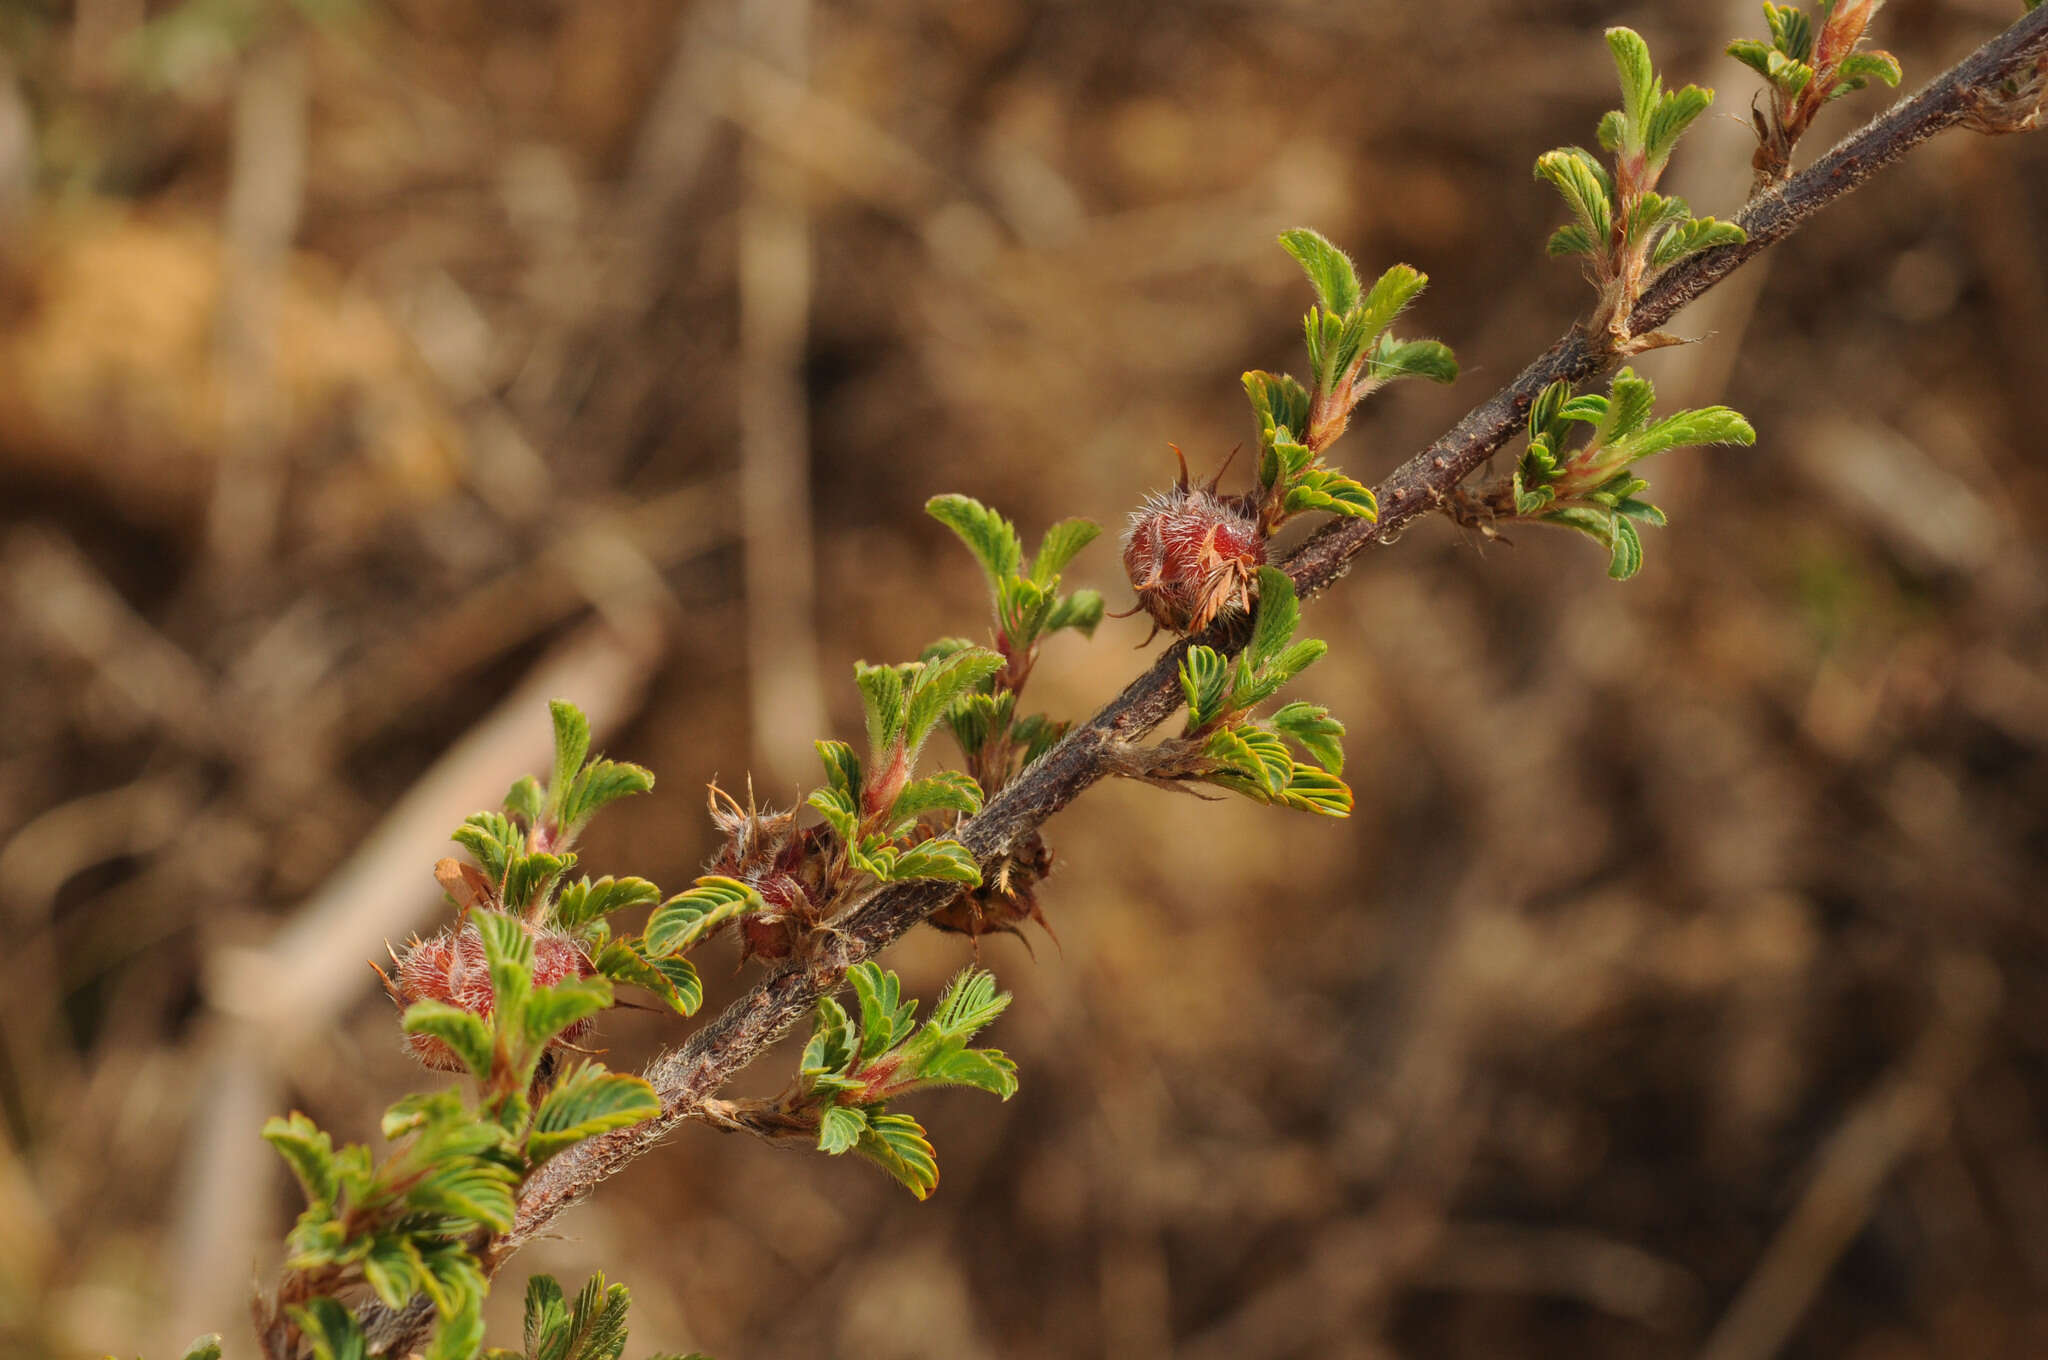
(596, 1328)
(454, 1280)
(476, 1190)
(204, 1348)
(545, 1314)
(1022, 607)
(1641, 511)
(308, 1151)
(584, 901)
(1278, 614)
(1252, 753)
(897, 1144)
(1626, 547)
(525, 799)
(1654, 212)
(842, 766)
(841, 1128)
(830, 1048)
(1638, 77)
(1391, 295)
(969, 1003)
(532, 878)
(1316, 731)
(1317, 791)
(1675, 113)
(841, 811)
(587, 1102)
(933, 686)
(946, 860)
(1791, 29)
(1543, 412)
(671, 977)
(949, 789)
(1081, 611)
(421, 1110)
(1692, 237)
(1205, 681)
(991, 538)
(1612, 129)
(1061, 542)
(1860, 68)
(1329, 269)
(685, 989)
(491, 837)
(602, 783)
(572, 744)
(464, 1033)
(1280, 402)
(1791, 77)
(1753, 54)
(1584, 185)
(1330, 490)
(880, 995)
(1569, 239)
(1589, 409)
(1296, 658)
(505, 938)
(331, 1330)
(1688, 429)
(508, 948)
(461, 1333)
(881, 694)
(1629, 400)
(553, 1009)
(623, 961)
(977, 718)
(393, 1269)
(679, 923)
(984, 1069)
(1393, 360)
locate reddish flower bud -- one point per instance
(772, 934)
(452, 967)
(1193, 555)
(1006, 899)
(782, 862)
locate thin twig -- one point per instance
(786, 701)
(687, 1076)
(1881, 1130)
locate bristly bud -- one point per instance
(451, 967)
(1006, 898)
(1193, 555)
(766, 850)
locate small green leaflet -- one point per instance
(587, 1102)
(678, 924)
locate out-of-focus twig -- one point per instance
(510, 609)
(1858, 1158)
(58, 592)
(785, 699)
(262, 217)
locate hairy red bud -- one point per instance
(452, 967)
(1192, 555)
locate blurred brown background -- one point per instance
(377, 369)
